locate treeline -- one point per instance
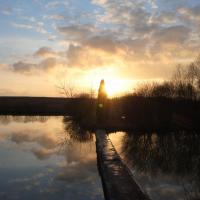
(153, 113)
(185, 83)
(43, 106)
(129, 112)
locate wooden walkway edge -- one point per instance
(117, 180)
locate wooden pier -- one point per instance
(118, 182)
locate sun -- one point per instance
(114, 87)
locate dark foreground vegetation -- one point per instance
(126, 112)
(151, 113)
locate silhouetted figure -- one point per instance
(101, 102)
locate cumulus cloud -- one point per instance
(35, 25)
(48, 141)
(55, 17)
(23, 67)
(84, 57)
(176, 35)
(45, 52)
(139, 35)
(6, 10)
(166, 17)
(26, 26)
(22, 119)
(43, 153)
(191, 16)
(104, 43)
(131, 17)
(48, 64)
(76, 32)
(3, 66)
(194, 12)
(54, 4)
(31, 68)
(72, 173)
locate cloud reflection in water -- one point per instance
(47, 159)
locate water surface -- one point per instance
(165, 165)
(47, 158)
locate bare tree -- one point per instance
(66, 88)
(92, 92)
(186, 80)
(178, 76)
(185, 83)
(165, 89)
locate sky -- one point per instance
(44, 43)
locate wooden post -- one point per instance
(101, 108)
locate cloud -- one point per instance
(191, 16)
(45, 52)
(23, 67)
(55, 17)
(43, 153)
(25, 26)
(99, 2)
(3, 66)
(136, 37)
(76, 32)
(166, 17)
(149, 56)
(48, 64)
(35, 25)
(6, 9)
(54, 4)
(73, 174)
(31, 68)
(21, 137)
(133, 16)
(22, 119)
(6, 12)
(142, 36)
(105, 43)
(47, 141)
(87, 57)
(173, 35)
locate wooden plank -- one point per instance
(118, 182)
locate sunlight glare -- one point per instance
(114, 87)
(114, 84)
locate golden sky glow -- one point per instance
(115, 84)
(124, 42)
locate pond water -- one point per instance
(47, 158)
(52, 158)
(165, 165)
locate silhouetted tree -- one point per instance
(185, 83)
(66, 89)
